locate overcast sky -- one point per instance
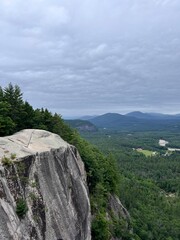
(86, 57)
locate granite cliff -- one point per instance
(43, 190)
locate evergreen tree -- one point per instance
(27, 116)
(13, 96)
(7, 125)
(1, 94)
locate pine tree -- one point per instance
(13, 96)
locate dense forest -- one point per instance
(102, 175)
(149, 186)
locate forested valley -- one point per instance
(149, 185)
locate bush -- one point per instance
(6, 161)
(13, 156)
(21, 207)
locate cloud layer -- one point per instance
(88, 57)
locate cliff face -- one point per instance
(48, 175)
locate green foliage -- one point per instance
(6, 161)
(33, 196)
(33, 184)
(21, 207)
(7, 126)
(120, 229)
(100, 169)
(149, 187)
(100, 228)
(6, 123)
(27, 115)
(21, 170)
(13, 96)
(13, 156)
(152, 212)
(1, 94)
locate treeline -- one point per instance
(102, 176)
(17, 114)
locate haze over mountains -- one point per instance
(141, 115)
(135, 121)
(138, 114)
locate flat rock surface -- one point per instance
(29, 142)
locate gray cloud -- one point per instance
(88, 57)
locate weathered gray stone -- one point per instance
(116, 208)
(49, 174)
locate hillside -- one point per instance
(82, 125)
(136, 121)
(157, 116)
(113, 120)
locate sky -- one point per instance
(89, 57)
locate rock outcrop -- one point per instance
(47, 174)
(116, 211)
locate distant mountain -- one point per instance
(138, 114)
(113, 120)
(82, 125)
(164, 116)
(142, 115)
(137, 121)
(88, 117)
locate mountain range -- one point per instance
(142, 115)
(135, 121)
